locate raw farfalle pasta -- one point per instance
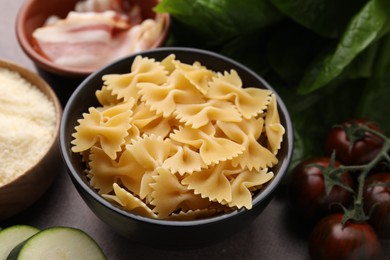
(169, 194)
(212, 149)
(273, 128)
(198, 75)
(184, 160)
(129, 202)
(106, 127)
(249, 101)
(213, 182)
(143, 70)
(163, 99)
(198, 115)
(178, 141)
(247, 133)
(243, 185)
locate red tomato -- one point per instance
(307, 189)
(375, 193)
(365, 148)
(330, 240)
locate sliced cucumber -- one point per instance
(58, 243)
(12, 236)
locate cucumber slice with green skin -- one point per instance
(58, 243)
(12, 236)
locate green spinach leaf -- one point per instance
(290, 50)
(325, 17)
(376, 98)
(360, 33)
(219, 21)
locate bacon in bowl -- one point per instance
(76, 37)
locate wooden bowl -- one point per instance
(33, 14)
(22, 192)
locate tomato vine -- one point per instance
(318, 183)
(356, 212)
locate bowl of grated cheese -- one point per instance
(30, 113)
(74, 38)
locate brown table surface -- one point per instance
(275, 234)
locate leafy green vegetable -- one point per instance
(375, 101)
(219, 21)
(290, 50)
(325, 17)
(360, 33)
(363, 65)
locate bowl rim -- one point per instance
(46, 89)
(264, 194)
(46, 64)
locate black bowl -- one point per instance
(166, 232)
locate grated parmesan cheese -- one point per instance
(27, 125)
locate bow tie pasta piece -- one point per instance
(184, 160)
(211, 149)
(163, 98)
(198, 115)
(242, 184)
(198, 75)
(149, 123)
(169, 195)
(239, 132)
(106, 97)
(129, 202)
(212, 183)
(247, 133)
(104, 171)
(143, 116)
(168, 64)
(107, 127)
(273, 128)
(142, 70)
(255, 156)
(249, 101)
(150, 151)
(146, 190)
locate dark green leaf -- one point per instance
(249, 50)
(325, 17)
(360, 33)
(362, 66)
(376, 99)
(221, 20)
(291, 49)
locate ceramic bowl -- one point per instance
(33, 14)
(21, 192)
(166, 232)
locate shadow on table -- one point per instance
(62, 86)
(292, 221)
(238, 246)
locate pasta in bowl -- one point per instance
(176, 141)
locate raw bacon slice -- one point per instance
(90, 38)
(83, 40)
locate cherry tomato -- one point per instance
(307, 189)
(331, 240)
(364, 149)
(377, 195)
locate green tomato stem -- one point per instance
(357, 213)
